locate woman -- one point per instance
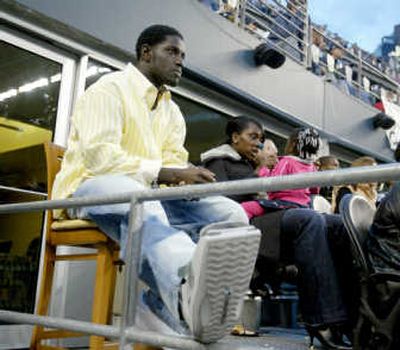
(367, 190)
(301, 151)
(305, 234)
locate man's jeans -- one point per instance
(165, 248)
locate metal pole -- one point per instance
(377, 173)
(132, 265)
(308, 40)
(60, 323)
(242, 22)
(359, 72)
(133, 334)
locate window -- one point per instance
(205, 127)
(34, 89)
(95, 71)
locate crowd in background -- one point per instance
(285, 24)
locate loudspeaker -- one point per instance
(265, 54)
(382, 120)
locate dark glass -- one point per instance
(279, 141)
(95, 71)
(29, 93)
(205, 127)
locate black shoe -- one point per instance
(326, 337)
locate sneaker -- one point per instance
(217, 280)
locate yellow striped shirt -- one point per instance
(114, 131)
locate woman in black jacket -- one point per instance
(304, 234)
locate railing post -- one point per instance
(242, 9)
(132, 268)
(308, 41)
(359, 72)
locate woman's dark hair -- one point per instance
(154, 35)
(238, 124)
(303, 142)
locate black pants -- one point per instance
(317, 244)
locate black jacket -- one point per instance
(228, 165)
(384, 237)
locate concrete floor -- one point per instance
(270, 338)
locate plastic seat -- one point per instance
(378, 319)
(74, 233)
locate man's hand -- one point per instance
(187, 176)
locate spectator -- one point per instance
(213, 5)
(304, 234)
(379, 105)
(338, 74)
(318, 51)
(268, 155)
(228, 9)
(327, 163)
(126, 133)
(384, 237)
(286, 29)
(300, 151)
(367, 190)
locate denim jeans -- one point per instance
(307, 235)
(165, 247)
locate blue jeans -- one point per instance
(319, 247)
(165, 248)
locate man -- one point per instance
(127, 133)
(325, 163)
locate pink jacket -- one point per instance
(288, 165)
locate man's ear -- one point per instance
(145, 53)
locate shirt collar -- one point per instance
(146, 90)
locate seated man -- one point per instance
(126, 133)
(326, 163)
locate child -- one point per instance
(301, 149)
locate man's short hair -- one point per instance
(326, 160)
(154, 35)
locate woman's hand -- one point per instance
(267, 160)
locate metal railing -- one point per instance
(354, 60)
(127, 332)
(286, 26)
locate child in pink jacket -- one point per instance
(301, 150)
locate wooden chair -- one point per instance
(74, 233)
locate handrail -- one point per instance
(128, 332)
(273, 20)
(280, 26)
(282, 39)
(378, 173)
(267, 22)
(305, 13)
(355, 57)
